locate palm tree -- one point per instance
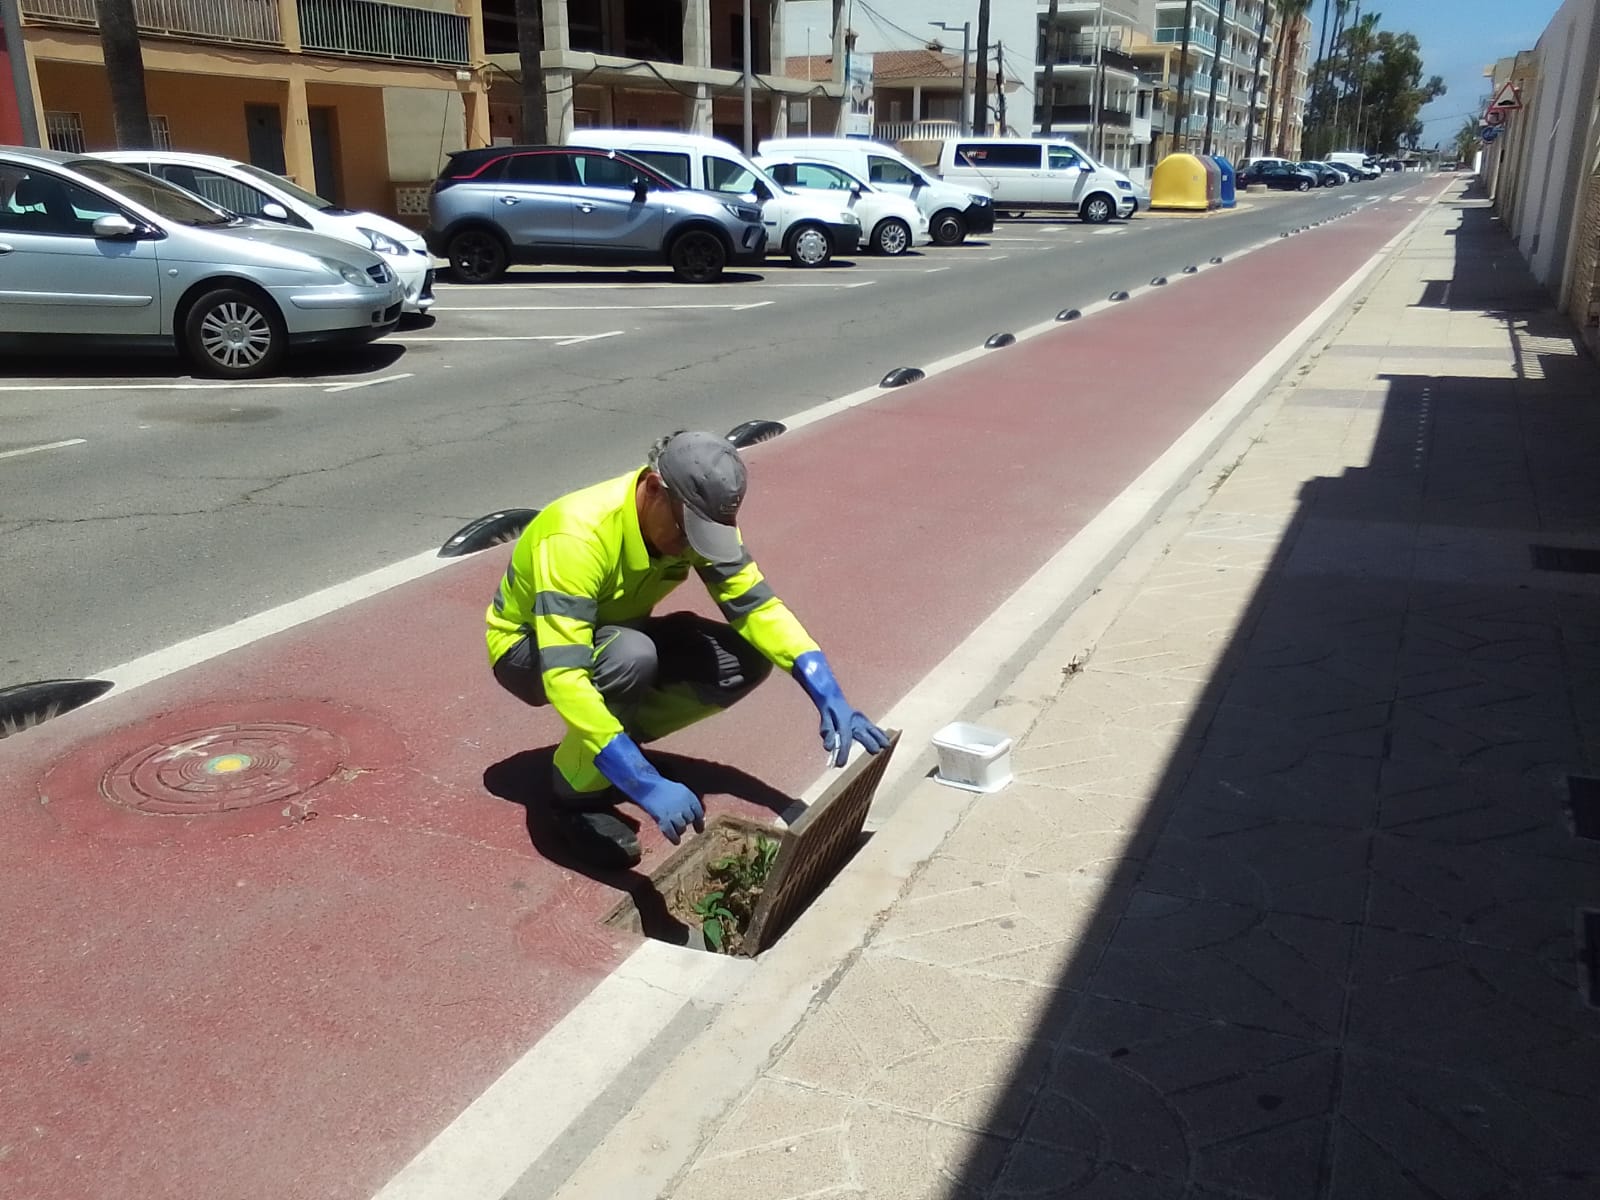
(1363, 41)
(1049, 65)
(1216, 71)
(1289, 49)
(119, 44)
(1182, 122)
(530, 48)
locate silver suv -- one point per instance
(95, 253)
(573, 205)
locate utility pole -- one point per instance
(1000, 83)
(12, 17)
(1181, 126)
(980, 100)
(1216, 71)
(749, 103)
(530, 49)
(1097, 130)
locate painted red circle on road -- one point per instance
(225, 768)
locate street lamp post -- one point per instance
(966, 51)
(749, 105)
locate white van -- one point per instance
(1365, 164)
(953, 211)
(808, 227)
(1029, 174)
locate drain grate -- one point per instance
(1583, 802)
(1575, 560)
(818, 845)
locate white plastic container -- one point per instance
(973, 757)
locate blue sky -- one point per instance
(1459, 38)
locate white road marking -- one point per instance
(175, 386)
(998, 257)
(933, 270)
(560, 339)
(366, 383)
(594, 307)
(61, 445)
(632, 286)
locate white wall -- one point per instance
(1014, 23)
(424, 124)
(1569, 59)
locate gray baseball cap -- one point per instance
(706, 474)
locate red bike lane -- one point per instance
(285, 989)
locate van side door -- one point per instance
(1015, 170)
(1066, 177)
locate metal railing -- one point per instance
(253, 21)
(1197, 37)
(372, 29)
(898, 131)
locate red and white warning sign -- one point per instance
(1507, 99)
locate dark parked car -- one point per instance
(1281, 177)
(570, 205)
(1346, 172)
(1326, 175)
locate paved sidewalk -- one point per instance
(1283, 901)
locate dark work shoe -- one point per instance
(600, 838)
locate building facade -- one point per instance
(659, 64)
(1121, 85)
(358, 100)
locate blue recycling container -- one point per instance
(1229, 176)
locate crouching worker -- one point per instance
(571, 626)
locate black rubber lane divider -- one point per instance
(753, 433)
(1217, 261)
(1284, 234)
(1191, 270)
(28, 704)
(489, 530)
(1068, 314)
(998, 341)
(901, 376)
(1159, 281)
(1118, 297)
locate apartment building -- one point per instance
(1151, 101)
(658, 64)
(358, 100)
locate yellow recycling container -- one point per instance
(1180, 182)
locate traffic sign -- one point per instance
(1495, 116)
(1507, 99)
(1490, 133)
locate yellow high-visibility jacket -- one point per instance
(581, 564)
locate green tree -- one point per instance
(1466, 143)
(1394, 92)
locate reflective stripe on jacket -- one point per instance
(582, 564)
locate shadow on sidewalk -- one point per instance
(1343, 954)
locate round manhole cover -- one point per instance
(225, 768)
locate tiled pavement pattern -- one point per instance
(1284, 900)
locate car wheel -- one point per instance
(234, 334)
(891, 237)
(1303, 186)
(477, 256)
(948, 228)
(810, 246)
(698, 256)
(1097, 209)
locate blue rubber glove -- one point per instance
(841, 724)
(673, 806)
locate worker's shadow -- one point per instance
(524, 779)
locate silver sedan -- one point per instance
(95, 254)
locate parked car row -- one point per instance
(96, 253)
(1281, 174)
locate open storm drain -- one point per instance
(224, 769)
(736, 887)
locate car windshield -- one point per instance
(279, 183)
(160, 197)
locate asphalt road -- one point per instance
(187, 505)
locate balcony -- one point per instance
(371, 29)
(1080, 52)
(1197, 37)
(1083, 114)
(252, 22)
